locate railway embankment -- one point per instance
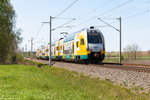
(28, 82)
(125, 78)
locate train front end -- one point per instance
(95, 45)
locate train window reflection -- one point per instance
(94, 37)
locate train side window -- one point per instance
(82, 41)
(77, 44)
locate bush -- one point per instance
(40, 64)
(14, 60)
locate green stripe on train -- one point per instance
(68, 57)
(75, 56)
(82, 56)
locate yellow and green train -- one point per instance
(84, 45)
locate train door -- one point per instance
(82, 46)
(58, 49)
(54, 52)
(72, 50)
(63, 51)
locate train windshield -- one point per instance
(94, 37)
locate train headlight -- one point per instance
(96, 54)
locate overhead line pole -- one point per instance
(120, 41)
(50, 32)
(31, 49)
(119, 30)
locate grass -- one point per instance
(112, 59)
(142, 58)
(33, 83)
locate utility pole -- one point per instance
(31, 49)
(119, 30)
(120, 55)
(50, 32)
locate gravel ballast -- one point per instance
(127, 78)
(124, 77)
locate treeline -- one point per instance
(9, 36)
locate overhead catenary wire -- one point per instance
(95, 17)
(63, 24)
(66, 9)
(137, 14)
(108, 11)
(102, 25)
(129, 17)
(64, 18)
(93, 10)
(129, 1)
(38, 41)
(130, 8)
(147, 10)
(39, 31)
(53, 28)
(134, 15)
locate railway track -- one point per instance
(124, 66)
(132, 67)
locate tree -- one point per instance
(9, 38)
(127, 51)
(135, 50)
(132, 51)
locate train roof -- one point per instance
(53, 43)
(70, 37)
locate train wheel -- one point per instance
(96, 62)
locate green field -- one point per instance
(24, 82)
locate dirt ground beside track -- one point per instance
(144, 62)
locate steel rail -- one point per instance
(129, 67)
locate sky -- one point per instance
(135, 16)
